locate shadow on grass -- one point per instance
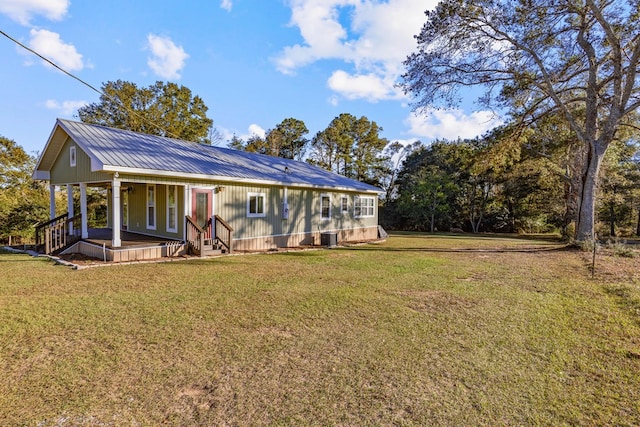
(563, 248)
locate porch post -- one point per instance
(52, 201)
(187, 208)
(83, 210)
(70, 205)
(116, 213)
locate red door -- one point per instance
(201, 206)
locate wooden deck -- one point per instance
(102, 236)
(134, 247)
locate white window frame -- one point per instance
(264, 205)
(151, 205)
(344, 204)
(172, 189)
(322, 197)
(366, 210)
(73, 156)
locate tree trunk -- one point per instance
(612, 220)
(638, 225)
(585, 229)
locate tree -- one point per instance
(351, 147)
(286, 140)
(164, 109)
(23, 201)
(576, 59)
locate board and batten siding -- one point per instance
(304, 224)
(63, 173)
(137, 204)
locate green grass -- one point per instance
(419, 330)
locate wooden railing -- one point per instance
(195, 237)
(54, 234)
(223, 232)
(198, 237)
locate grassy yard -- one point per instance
(419, 330)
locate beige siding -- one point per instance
(138, 211)
(63, 173)
(304, 224)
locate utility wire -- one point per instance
(112, 98)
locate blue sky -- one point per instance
(254, 62)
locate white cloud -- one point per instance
(372, 87)
(23, 10)
(255, 130)
(65, 108)
(49, 45)
(167, 59)
(451, 124)
(226, 5)
(374, 36)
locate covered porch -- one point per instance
(144, 221)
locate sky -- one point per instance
(253, 62)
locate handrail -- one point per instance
(55, 233)
(223, 232)
(195, 236)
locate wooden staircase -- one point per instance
(57, 234)
(214, 238)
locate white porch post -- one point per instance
(115, 203)
(83, 210)
(52, 201)
(70, 205)
(187, 209)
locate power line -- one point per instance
(112, 98)
(51, 62)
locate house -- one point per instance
(185, 196)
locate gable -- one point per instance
(64, 172)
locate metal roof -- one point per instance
(123, 151)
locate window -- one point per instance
(72, 156)
(172, 208)
(344, 204)
(325, 206)
(364, 207)
(151, 206)
(255, 205)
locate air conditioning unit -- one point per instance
(329, 239)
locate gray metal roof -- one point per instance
(125, 151)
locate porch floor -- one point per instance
(100, 236)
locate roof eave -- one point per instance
(222, 178)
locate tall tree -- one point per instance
(579, 59)
(286, 140)
(351, 147)
(164, 109)
(23, 201)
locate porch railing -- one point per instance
(195, 236)
(223, 233)
(57, 233)
(200, 237)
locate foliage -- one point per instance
(23, 201)
(620, 185)
(287, 140)
(578, 61)
(351, 147)
(164, 109)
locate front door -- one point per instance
(201, 206)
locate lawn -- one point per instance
(418, 330)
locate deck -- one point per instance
(134, 247)
(102, 236)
